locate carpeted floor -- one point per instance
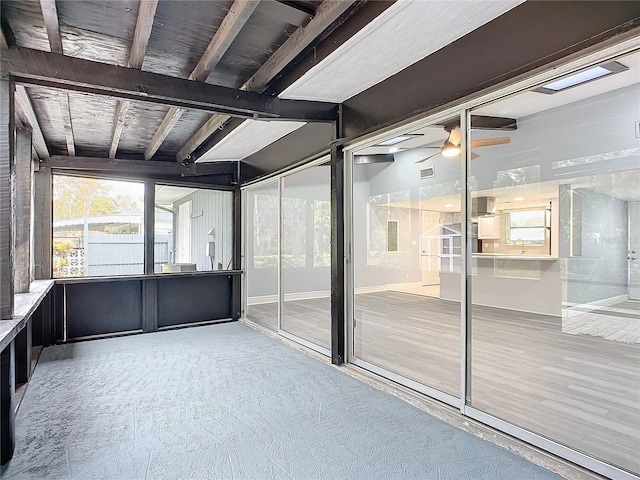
(225, 402)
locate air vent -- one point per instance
(427, 173)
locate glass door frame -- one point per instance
(280, 184)
(349, 248)
(244, 250)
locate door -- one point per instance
(634, 250)
(430, 247)
(184, 232)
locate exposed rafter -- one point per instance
(52, 24)
(233, 22)
(35, 67)
(144, 24)
(327, 13)
(23, 102)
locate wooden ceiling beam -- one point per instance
(96, 164)
(52, 24)
(233, 22)
(34, 67)
(144, 24)
(327, 13)
(23, 102)
(142, 33)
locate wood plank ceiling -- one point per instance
(242, 45)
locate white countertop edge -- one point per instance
(514, 257)
(24, 306)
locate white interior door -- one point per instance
(430, 248)
(634, 250)
(184, 233)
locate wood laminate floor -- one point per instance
(579, 390)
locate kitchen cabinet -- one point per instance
(489, 227)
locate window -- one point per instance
(97, 227)
(526, 227)
(193, 229)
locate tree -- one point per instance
(77, 197)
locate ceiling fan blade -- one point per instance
(455, 136)
(474, 156)
(487, 142)
(427, 158)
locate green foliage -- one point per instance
(61, 252)
(77, 197)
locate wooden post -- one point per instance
(22, 165)
(6, 201)
(42, 224)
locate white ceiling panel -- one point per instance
(406, 32)
(250, 137)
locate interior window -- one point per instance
(526, 227)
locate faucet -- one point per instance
(520, 242)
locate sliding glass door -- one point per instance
(406, 227)
(555, 326)
(288, 256)
(511, 241)
(306, 255)
(262, 207)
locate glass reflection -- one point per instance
(406, 255)
(306, 255)
(263, 214)
(556, 313)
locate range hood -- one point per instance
(483, 206)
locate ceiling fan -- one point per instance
(451, 146)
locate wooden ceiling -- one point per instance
(243, 45)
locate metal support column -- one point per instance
(337, 257)
(149, 291)
(236, 280)
(6, 210)
(149, 226)
(23, 167)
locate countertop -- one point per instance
(514, 257)
(24, 305)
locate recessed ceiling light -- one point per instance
(398, 139)
(519, 199)
(394, 150)
(582, 77)
(448, 205)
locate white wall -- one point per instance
(210, 209)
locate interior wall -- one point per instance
(600, 271)
(589, 136)
(210, 209)
(377, 179)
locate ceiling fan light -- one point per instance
(450, 150)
